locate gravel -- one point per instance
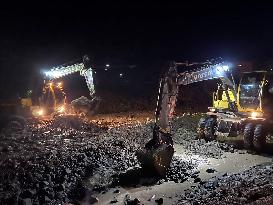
(51, 159)
(65, 159)
(68, 160)
(185, 134)
(254, 186)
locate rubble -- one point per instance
(210, 170)
(84, 105)
(184, 129)
(49, 160)
(69, 159)
(128, 201)
(254, 186)
(159, 201)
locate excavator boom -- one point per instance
(83, 68)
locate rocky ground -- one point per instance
(254, 186)
(69, 160)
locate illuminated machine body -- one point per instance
(83, 68)
(53, 98)
(252, 117)
(243, 108)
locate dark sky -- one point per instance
(38, 36)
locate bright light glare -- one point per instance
(254, 114)
(212, 109)
(121, 74)
(40, 112)
(220, 69)
(59, 84)
(62, 109)
(107, 65)
(53, 74)
(225, 67)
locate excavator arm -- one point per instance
(82, 67)
(158, 152)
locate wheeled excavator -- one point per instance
(243, 108)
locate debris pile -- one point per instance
(185, 135)
(254, 186)
(49, 159)
(85, 106)
(68, 159)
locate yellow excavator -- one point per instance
(14, 113)
(53, 98)
(243, 108)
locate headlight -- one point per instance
(212, 109)
(59, 84)
(39, 112)
(256, 115)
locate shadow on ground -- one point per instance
(136, 177)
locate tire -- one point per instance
(259, 138)
(248, 136)
(209, 130)
(201, 127)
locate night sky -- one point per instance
(36, 37)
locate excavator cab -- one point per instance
(250, 92)
(255, 93)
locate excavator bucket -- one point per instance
(156, 159)
(158, 152)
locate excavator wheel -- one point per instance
(201, 127)
(259, 138)
(156, 159)
(209, 130)
(248, 136)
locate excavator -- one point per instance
(83, 67)
(52, 100)
(244, 109)
(52, 77)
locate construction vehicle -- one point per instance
(85, 70)
(83, 67)
(16, 111)
(53, 97)
(52, 100)
(238, 109)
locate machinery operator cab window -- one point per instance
(250, 90)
